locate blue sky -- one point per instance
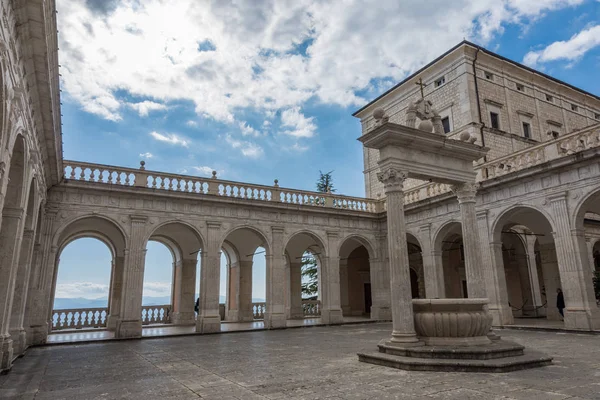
(264, 90)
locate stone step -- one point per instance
(497, 349)
(531, 359)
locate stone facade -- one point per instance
(544, 187)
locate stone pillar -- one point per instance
(130, 321)
(581, 311)
(590, 246)
(275, 312)
(331, 309)
(295, 292)
(233, 291)
(381, 309)
(10, 244)
(430, 273)
(499, 308)
(184, 296)
(245, 291)
(39, 305)
(492, 264)
(551, 279)
(344, 298)
(437, 258)
(17, 331)
(534, 279)
(209, 319)
(465, 193)
(116, 291)
(403, 332)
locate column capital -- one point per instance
(13, 212)
(481, 214)
(392, 179)
(556, 197)
(465, 192)
(139, 219)
(425, 228)
(333, 234)
(279, 229)
(213, 224)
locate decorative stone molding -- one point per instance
(452, 322)
(465, 192)
(392, 179)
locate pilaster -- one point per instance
(331, 311)
(17, 331)
(275, 312)
(209, 319)
(186, 276)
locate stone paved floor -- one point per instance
(308, 363)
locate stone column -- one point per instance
(590, 246)
(465, 193)
(295, 292)
(344, 298)
(499, 308)
(430, 273)
(39, 304)
(331, 309)
(493, 270)
(209, 319)
(184, 314)
(438, 262)
(10, 244)
(275, 312)
(116, 291)
(381, 309)
(233, 293)
(403, 332)
(17, 331)
(130, 321)
(245, 291)
(534, 279)
(581, 311)
(551, 279)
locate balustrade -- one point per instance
(311, 308)
(258, 310)
(156, 314)
(79, 318)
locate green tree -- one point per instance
(310, 279)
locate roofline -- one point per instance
(491, 53)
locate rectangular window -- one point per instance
(554, 134)
(574, 107)
(597, 116)
(526, 130)
(520, 88)
(549, 98)
(446, 124)
(489, 75)
(440, 82)
(494, 120)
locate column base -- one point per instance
(275, 321)
(377, 313)
(6, 353)
(111, 322)
(296, 313)
(129, 329)
(183, 318)
(332, 317)
(208, 324)
(587, 320)
(246, 316)
(411, 341)
(19, 338)
(37, 334)
(232, 316)
(501, 316)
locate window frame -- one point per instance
(526, 129)
(492, 114)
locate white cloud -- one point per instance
(146, 155)
(247, 129)
(170, 138)
(299, 148)
(157, 289)
(191, 123)
(86, 290)
(204, 170)
(570, 50)
(248, 149)
(301, 125)
(268, 56)
(145, 107)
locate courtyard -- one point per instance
(307, 363)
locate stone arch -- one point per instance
(449, 259)
(356, 254)
(182, 238)
(360, 239)
(95, 226)
(589, 203)
(452, 226)
(317, 239)
(524, 212)
(258, 232)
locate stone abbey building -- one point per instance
(538, 206)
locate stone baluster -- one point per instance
(465, 193)
(581, 311)
(209, 318)
(275, 313)
(403, 332)
(331, 312)
(130, 323)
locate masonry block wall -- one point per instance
(531, 107)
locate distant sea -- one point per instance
(80, 302)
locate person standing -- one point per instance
(560, 302)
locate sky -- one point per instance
(264, 90)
